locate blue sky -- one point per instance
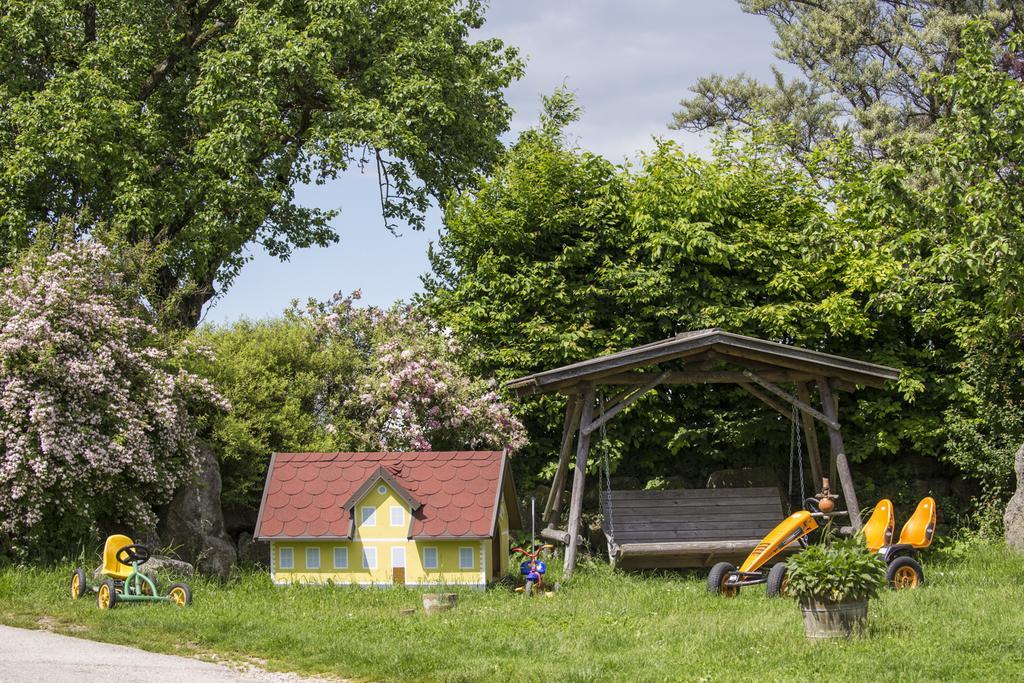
(629, 63)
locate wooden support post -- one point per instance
(767, 400)
(811, 436)
(838, 452)
(792, 400)
(620, 406)
(832, 460)
(553, 508)
(578, 480)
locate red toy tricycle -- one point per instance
(533, 568)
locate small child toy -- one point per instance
(123, 582)
(533, 568)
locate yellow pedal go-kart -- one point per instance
(904, 571)
(123, 581)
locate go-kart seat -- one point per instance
(881, 526)
(111, 566)
(920, 528)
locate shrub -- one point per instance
(94, 420)
(332, 375)
(844, 571)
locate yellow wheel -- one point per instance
(777, 582)
(180, 594)
(144, 588)
(718, 579)
(106, 596)
(78, 585)
(904, 573)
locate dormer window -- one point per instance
(368, 515)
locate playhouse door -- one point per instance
(398, 566)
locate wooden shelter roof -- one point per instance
(772, 360)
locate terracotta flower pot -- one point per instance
(824, 620)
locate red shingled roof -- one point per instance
(306, 493)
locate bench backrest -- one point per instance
(692, 514)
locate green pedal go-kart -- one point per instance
(123, 582)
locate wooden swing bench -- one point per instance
(693, 527)
(687, 527)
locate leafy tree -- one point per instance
(334, 376)
(562, 256)
(181, 128)
(862, 64)
(949, 214)
(94, 416)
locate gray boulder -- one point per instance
(252, 552)
(160, 567)
(1014, 517)
(194, 524)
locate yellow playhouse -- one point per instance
(388, 518)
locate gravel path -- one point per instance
(27, 655)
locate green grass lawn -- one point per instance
(967, 623)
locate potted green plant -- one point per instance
(833, 583)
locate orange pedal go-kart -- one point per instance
(903, 569)
(792, 533)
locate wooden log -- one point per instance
(811, 437)
(579, 480)
(556, 535)
(839, 453)
(792, 400)
(553, 507)
(622, 405)
(767, 400)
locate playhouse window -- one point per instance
(397, 515)
(341, 558)
(369, 558)
(398, 557)
(286, 559)
(382, 490)
(368, 515)
(465, 558)
(430, 558)
(312, 558)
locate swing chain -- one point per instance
(796, 450)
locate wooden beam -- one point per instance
(706, 377)
(622, 405)
(767, 400)
(579, 480)
(792, 400)
(839, 452)
(553, 508)
(811, 436)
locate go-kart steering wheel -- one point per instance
(133, 553)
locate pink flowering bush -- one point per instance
(94, 421)
(336, 376)
(412, 393)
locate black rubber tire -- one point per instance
(528, 589)
(717, 577)
(77, 585)
(184, 589)
(899, 568)
(775, 585)
(108, 591)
